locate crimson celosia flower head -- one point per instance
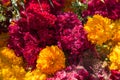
(72, 73)
(115, 75)
(33, 31)
(107, 8)
(71, 35)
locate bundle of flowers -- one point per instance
(60, 40)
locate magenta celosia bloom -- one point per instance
(32, 32)
(15, 41)
(51, 6)
(43, 6)
(107, 8)
(115, 75)
(71, 35)
(72, 73)
(57, 5)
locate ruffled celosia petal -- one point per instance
(33, 31)
(51, 6)
(50, 60)
(106, 8)
(72, 73)
(115, 75)
(71, 35)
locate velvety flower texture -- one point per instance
(71, 35)
(51, 6)
(50, 60)
(33, 31)
(106, 8)
(72, 73)
(115, 75)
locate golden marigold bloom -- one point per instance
(99, 29)
(114, 58)
(10, 65)
(50, 60)
(116, 36)
(11, 72)
(9, 57)
(35, 75)
(3, 39)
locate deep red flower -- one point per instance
(107, 8)
(115, 75)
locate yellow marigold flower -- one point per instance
(3, 39)
(10, 65)
(50, 60)
(8, 56)
(114, 58)
(116, 36)
(99, 29)
(13, 72)
(35, 75)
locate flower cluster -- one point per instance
(106, 8)
(60, 40)
(30, 33)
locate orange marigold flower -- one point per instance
(116, 36)
(9, 57)
(114, 58)
(35, 75)
(99, 29)
(50, 60)
(10, 65)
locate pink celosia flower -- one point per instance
(107, 8)
(71, 35)
(72, 73)
(115, 75)
(33, 31)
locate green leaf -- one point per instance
(2, 18)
